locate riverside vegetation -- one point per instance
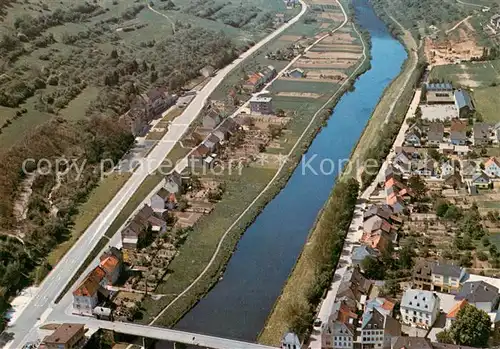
(52, 54)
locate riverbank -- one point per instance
(295, 308)
(219, 232)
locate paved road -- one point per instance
(42, 303)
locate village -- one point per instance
(421, 251)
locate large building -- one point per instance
(440, 94)
(447, 277)
(419, 308)
(66, 336)
(261, 105)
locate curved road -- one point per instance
(42, 303)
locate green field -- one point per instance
(471, 74)
(487, 103)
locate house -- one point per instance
(480, 294)
(131, 235)
(452, 314)
(207, 71)
(359, 253)
(173, 182)
(137, 229)
(447, 169)
(495, 21)
(435, 134)
(339, 331)
(411, 343)
(461, 150)
(422, 274)
(212, 117)
(229, 127)
(419, 308)
(463, 103)
(261, 105)
(212, 143)
(402, 162)
(158, 100)
(66, 336)
(377, 233)
(290, 341)
(382, 211)
(447, 277)
(481, 180)
(296, 73)
(480, 133)
(423, 168)
(411, 152)
(439, 93)
(85, 296)
(377, 329)
(112, 266)
(103, 313)
(254, 83)
(413, 136)
(453, 180)
(492, 167)
(384, 306)
(279, 19)
(458, 134)
(354, 285)
(158, 201)
(468, 169)
(446, 148)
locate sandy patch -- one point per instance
(469, 26)
(290, 37)
(299, 94)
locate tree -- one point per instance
(373, 268)
(391, 288)
(444, 337)
(442, 208)
(472, 327)
(417, 185)
(485, 241)
(406, 257)
(434, 154)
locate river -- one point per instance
(237, 307)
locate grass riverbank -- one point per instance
(311, 276)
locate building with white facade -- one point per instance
(419, 308)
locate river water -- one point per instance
(238, 306)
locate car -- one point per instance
(317, 323)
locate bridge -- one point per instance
(170, 335)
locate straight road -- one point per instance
(48, 291)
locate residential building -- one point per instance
(383, 305)
(447, 169)
(413, 136)
(339, 331)
(354, 285)
(261, 105)
(439, 93)
(377, 329)
(257, 80)
(481, 180)
(419, 308)
(359, 254)
(211, 121)
(422, 274)
(492, 167)
(480, 133)
(173, 182)
(453, 180)
(377, 233)
(229, 127)
(402, 162)
(112, 266)
(382, 211)
(446, 148)
(463, 103)
(159, 200)
(458, 134)
(290, 341)
(103, 313)
(447, 277)
(461, 150)
(480, 294)
(85, 296)
(212, 143)
(423, 168)
(158, 100)
(452, 314)
(468, 169)
(435, 134)
(495, 21)
(66, 336)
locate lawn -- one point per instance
(487, 103)
(470, 74)
(97, 201)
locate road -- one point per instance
(48, 291)
(458, 24)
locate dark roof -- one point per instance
(463, 99)
(383, 211)
(163, 193)
(411, 343)
(480, 130)
(447, 269)
(436, 131)
(478, 291)
(458, 135)
(423, 268)
(436, 345)
(145, 212)
(439, 87)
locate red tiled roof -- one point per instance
(110, 264)
(456, 308)
(492, 161)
